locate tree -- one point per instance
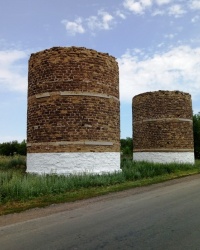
(22, 148)
(196, 131)
(13, 147)
(127, 146)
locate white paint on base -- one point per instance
(164, 157)
(73, 163)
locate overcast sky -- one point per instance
(156, 43)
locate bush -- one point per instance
(126, 147)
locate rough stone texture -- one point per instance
(73, 96)
(55, 116)
(73, 118)
(164, 157)
(69, 163)
(73, 69)
(162, 121)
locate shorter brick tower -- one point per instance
(73, 112)
(163, 127)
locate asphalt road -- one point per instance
(163, 216)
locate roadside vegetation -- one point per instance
(15, 162)
(20, 190)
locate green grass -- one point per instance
(20, 190)
(12, 162)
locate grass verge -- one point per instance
(20, 191)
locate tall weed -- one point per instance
(12, 162)
(17, 185)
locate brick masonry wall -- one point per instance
(73, 101)
(162, 122)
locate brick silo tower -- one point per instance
(163, 127)
(73, 123)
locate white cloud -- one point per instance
(195, 4)
(13, 77)
(176, 10)
(146, 2)
(161, 2)
(176, 69)
(74, 27)
(158, 12)
(103, 21)
(120, 14)
(158, 7)
(133, 6)
(195, 19)
(106, 20)
(137, 7)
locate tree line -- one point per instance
(14, 147)
(196, 131)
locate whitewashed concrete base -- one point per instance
(164, 157)
(73, 163)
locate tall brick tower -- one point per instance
(73, 123)
(163, 127)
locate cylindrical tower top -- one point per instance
(162, 104)
(73, 69)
